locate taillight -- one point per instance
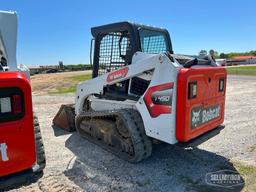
(16, 104)
(192, 90)
(221, 85)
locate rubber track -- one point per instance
(142, 145)
(40, 153)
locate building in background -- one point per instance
(242, 60)
(44, 69)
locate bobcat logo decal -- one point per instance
(196, 117)
(200, 115)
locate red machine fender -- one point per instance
(16, 126)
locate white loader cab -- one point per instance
(8, 40)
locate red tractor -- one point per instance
(21, 147)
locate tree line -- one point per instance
(78, 67)
(229, 55)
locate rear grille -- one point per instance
(12, 105)
(138, 86)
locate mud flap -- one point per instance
(65, 118)
(202, 138)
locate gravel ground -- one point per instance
(74, 164)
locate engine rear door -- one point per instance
(200, 101)
(17, 141)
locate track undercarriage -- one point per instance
(120, 132)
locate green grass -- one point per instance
(252, 148)
(242, 70)
(71, 89)
(74, 80)
(81, 78)
(249, 174)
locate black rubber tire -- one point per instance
(40, 153)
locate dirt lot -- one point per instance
(45, 83)
(74, 164)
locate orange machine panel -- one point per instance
(17, 140)
(200, 101)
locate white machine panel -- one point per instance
(161, 127)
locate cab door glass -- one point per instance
(152, 42)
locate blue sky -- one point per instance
(53, 30)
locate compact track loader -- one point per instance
(142, 91)
(21, 148)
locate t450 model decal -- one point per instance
(119, 74)
(158, 99)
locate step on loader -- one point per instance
(140, 91)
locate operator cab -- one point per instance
(116, 43)
(3, 60)
(114, 46)
(8, 40)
